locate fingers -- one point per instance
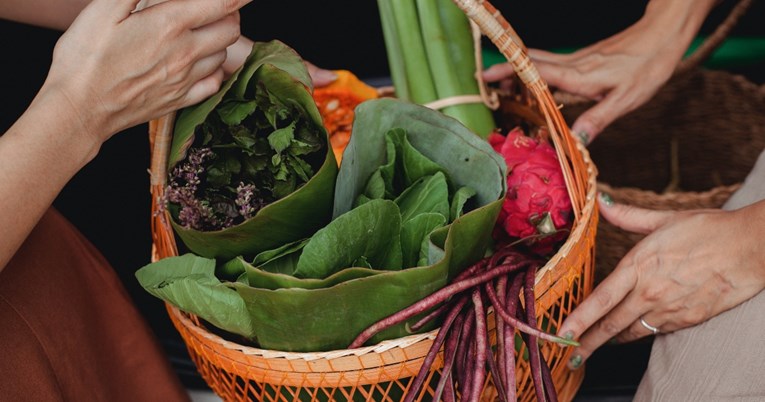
(111, 11)
(602, 300)
(237, 54)
(597, 118)
(120, 10)
(203, 88)
(498, 72)
(218, 35)
(633, 219)
(539, 55)
(320, 76)
(198, 13)
(638, 330)
(569, 79)
(206, 66)
(617, 322)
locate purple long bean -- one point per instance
(433, 352)
(433, 300)
(481, 335)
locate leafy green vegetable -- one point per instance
(182, 280)
(415, 234)
(371, 231)
(461, 198)
(251, 167)
(329, 313)
(428, 194)
(319, 293)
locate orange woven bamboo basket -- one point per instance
(384, 372)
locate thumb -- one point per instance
(592, 122)
(633, 219)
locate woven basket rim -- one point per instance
(580, 225)
(381, 347)
(607, 188)
(578, 232)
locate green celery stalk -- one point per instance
(396, 62)
(431, 56)
(419, 79)
(461, 51)
(437, 50)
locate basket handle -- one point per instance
(569, 150)
(160, 138)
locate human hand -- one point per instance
(621, 72)
(692, 266)
(117, 68)
(238, 52)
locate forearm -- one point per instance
(676, 21)
(57, 14)
(752, 230)
(39, 154)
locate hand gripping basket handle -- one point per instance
(498, 30)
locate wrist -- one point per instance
(683, 17)
(671, 25)
(65, 124)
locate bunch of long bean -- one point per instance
(495, 281)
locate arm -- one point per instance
(691, 266)
(45, 13)
(624, 71)
(137, 67)
(60, 14)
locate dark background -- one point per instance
(109, 199)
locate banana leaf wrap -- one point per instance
(318, 293)
(316, 314)
(273, 81)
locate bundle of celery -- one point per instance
(431, 56)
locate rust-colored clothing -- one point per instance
(68, 329)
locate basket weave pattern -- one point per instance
(384, 372)
(689, 147)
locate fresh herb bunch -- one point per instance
(248, 154)
(250, 168)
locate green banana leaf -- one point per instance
(324, 314)
(297, 215)
(329, 305)
(182, 280)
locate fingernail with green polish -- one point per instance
(569, 335)
(613, 341)
(575, 362)
(607, 200)
(584, 137)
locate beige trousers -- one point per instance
(722, 359)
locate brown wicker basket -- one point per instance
(690, 147)
(384, 372)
